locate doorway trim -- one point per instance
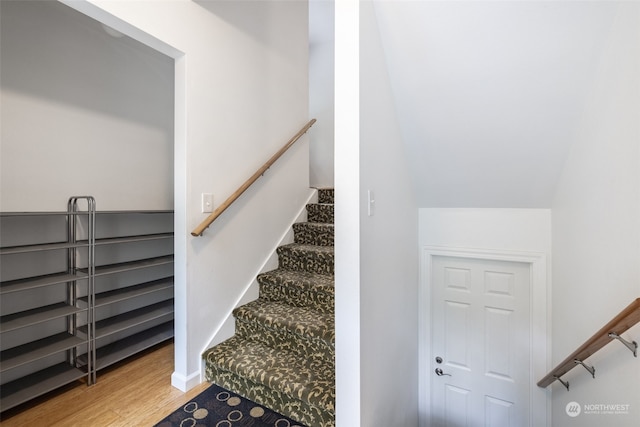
(181, 378)
(539, 323)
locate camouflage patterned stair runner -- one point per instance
(282, 354)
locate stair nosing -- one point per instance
(299, 282)
(314, 224)
(307, 247)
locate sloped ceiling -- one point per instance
(489, 94)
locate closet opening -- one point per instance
(86, 111)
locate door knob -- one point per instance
(440, 373)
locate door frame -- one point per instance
(539, 323)
(181, 378)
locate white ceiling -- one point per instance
(489, 94)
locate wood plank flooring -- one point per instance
(137, 392)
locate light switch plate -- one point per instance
(207, 202)
(371, 205)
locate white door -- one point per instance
(480, 361)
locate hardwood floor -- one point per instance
(137, 392)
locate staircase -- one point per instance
(282, 354)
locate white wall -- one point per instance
(347, 214)
(83, 113)
(321, 91)
(489, 94)
(499, 229)
(241, 93)
(376, 256)
(596, 232)
(388, 248)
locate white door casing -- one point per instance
(484, 313)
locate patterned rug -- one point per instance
(217, 407)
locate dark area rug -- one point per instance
(218, 407)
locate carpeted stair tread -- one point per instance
(304, 412)
(301, 279)
(320, 212)
(314, 233)
(299, 289)
(309, 248)
(301, 321)
(326, 195)
(309, 380)
(303, 257)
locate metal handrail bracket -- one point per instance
(631, 345)
(590, 369)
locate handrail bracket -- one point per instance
(631, 345)
(564, 383)
(590, 369)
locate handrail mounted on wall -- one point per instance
(611, 331)
(216, 213)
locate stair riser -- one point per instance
(310, 348)
(313, 262)
(308, 234)
(322, 213)
(326, 195)
(305, 413)
(320, 301)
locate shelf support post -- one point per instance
(72, 224)
(631, 345)
(590, 369)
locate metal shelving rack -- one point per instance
(137, 314)
(118, 288)
(31, 355)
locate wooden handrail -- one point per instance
(619, 324)
(216, 213)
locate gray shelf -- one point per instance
(27, 353)
(132, 265)
(120, 350)
(133, 239)
(37, 315)
(39, 248)
(52, 213)
(39, 281)
(123, 294)
(26, 388)
(43, 213)
(141, 212)
(132, 318)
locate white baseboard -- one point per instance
(183, 383)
